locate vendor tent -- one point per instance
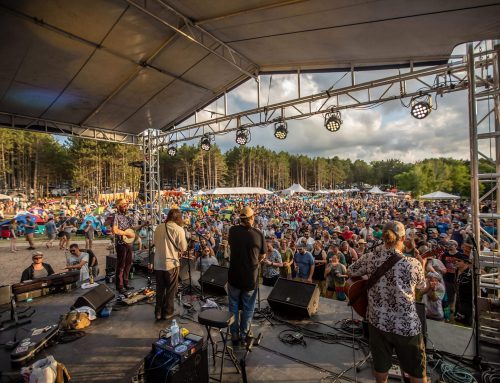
(295, 188)
(375, 190)
(439, 195)
(238, 190)
(4, 197)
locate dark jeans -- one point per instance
(123, 264)
(242, 323)
(166, 288)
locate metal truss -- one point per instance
(151, 179)
(41, 125)
(204, 39)
(437, 80)
(484, 133)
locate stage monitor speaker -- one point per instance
(95, 298)
(294, 299)
(214, 281)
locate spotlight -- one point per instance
(280, 130)
(205, 142)
(333, 120)
(172, 151)
(242, 136)
(421, 106)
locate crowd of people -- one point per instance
(310, 238)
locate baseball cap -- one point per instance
(462, 257)
(36, 254)
(443, 235)
(396, 227)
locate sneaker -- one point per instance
(31, 248)
(128, 288)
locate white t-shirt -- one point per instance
(75, 260)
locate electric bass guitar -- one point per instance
(357, 293)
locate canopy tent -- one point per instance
(4, 197)
(295, 188)
(391, 194)
(375, 190)
(439, 195)
(238, 190)
(95, 222)
(124, 66)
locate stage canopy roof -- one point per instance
(127, 65)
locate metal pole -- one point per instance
(474, 191)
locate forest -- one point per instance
(37, 163)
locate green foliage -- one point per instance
(30, 160)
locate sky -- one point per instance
(384, 132)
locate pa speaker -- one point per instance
(214, 280)
(95, 298)
(294, 299)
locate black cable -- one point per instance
(491, 376)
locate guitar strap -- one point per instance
(383, 268)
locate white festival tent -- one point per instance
(439, 195)
(375, 190)
(238, 190)
(4, 197)
(295, 188)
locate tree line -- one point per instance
(36, 163)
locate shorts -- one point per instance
(51, 236)
(67, 235)
(410, 351)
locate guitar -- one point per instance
(358, 294)
(126, 239)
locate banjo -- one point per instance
(126, 239)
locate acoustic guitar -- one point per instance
(126, 239)
(358, 294)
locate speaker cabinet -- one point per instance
(95, 298)
(294, 299)
(214, 281)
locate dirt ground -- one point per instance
(13, 264)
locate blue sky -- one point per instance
(386, 131)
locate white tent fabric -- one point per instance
(200, 192)
(239, 190)
(4, 197)
(295, 188)
(375, 190)
(439, 195)
(391, 195)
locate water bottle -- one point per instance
(175, 337)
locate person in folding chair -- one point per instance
(248, 249)
(391, 314)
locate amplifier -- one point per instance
(294, 299)
(214, 281)
(187, 362)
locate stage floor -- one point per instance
(113, 348)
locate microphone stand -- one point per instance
(190, 247)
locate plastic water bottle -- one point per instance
(175, 337)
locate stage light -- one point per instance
(280, 130)
(242, 136)
(172, 151)
(205, 142)
(421, 106)
(333, 120)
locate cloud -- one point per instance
(386, 131)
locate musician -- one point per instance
(248, 249)
(124, 257)
(38, 269)
(78, 260)
(392, 315)
(170, 241)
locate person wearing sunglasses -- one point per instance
(38, 269)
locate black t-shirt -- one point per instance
(246, 245)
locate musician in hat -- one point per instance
(248, 249)
(38, 268)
